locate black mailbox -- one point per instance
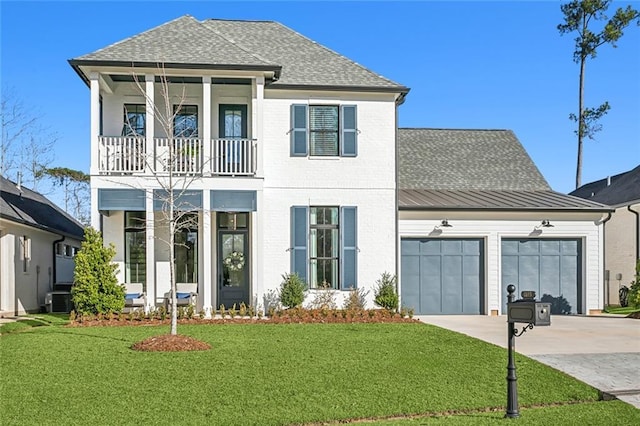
(527, 310)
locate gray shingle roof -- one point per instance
(493, 200)
(33, 209)
(622, 189)
(465, 160)
(304, 62)
(242, 45)
(474, 169)
(184, 40)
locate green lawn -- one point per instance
(621, 311)
(268, 375)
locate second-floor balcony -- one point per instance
(182, 156)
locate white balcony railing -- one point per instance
(121, 154)
(184, 155)
(233, 157)
(130, 155)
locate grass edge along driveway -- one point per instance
(262, 374)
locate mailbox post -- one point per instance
(525, 310)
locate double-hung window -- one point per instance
(135, 119)
(185, 121)
(324, 130)
(323, 246)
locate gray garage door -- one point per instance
(550, 267)
(442, 276)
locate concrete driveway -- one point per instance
(603, 352)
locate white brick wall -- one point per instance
(366, 181)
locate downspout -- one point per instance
(397, 214)
(55, 276)
(605, 299)
(637, 214)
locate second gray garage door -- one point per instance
(550, 267)
(442, 276)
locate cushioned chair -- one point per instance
(186, 294)
(135, 297)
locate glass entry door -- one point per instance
(233, 265)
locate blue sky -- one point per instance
(472, 65)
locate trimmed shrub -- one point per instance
(292, 290)
(385, 292)
(634, 289)
(96, 289)
(356, 300)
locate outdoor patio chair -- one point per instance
(135, 297)
(186, 294)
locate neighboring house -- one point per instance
(286, 150)
(38, 242)
(476, 215)
(622, 231)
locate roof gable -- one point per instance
(480, 160)
(32, 208)
(617, 190)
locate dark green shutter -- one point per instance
(349, 131)
(299, 230)
(349, 248)
(299, 130)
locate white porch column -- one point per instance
(150, 163)
(206, 125)
(150, 252)
(95, 121)
(95, 214)
(207, 282)
(257, 108)
(257, 254)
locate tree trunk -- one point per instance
(581, 126)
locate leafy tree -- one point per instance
(96, 289)
(75, 184)
(582, 16)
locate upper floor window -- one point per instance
(185, 121)
(134, 120)
(324, 130)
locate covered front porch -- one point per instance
(215, 247)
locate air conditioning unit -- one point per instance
(58, 301)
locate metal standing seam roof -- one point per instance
(32, 208)
(416, 199)
(234, 44)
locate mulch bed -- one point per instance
(170, 343)
(635, 315)
(173, 343)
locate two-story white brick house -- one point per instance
(285, 157)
